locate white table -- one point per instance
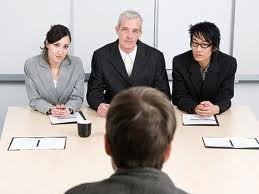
(192, 167)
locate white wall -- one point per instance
(23, 28)
(246, 39)
(25, 23)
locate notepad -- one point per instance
(73, 118)
(231, 142)
(37, 143)
(197, 120)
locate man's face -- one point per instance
(201, 50)
(128, 32)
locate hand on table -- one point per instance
(206, 108)
(103, 109)
(60, 111)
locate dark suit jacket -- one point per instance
(134, 181)
(189, 89)
(109, 75)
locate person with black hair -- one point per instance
(55, 80)
(203, 78)
(134, 115)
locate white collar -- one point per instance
(132, 54)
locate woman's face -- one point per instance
(201, 50)
(57, 51)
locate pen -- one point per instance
(38, 142)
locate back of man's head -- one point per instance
(139, 128)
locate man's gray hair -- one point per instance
(129, 14)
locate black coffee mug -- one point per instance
(84, 128)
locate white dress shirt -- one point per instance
(129, 59)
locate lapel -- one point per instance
(212, 73)
(117, 61)
(196, 78)
(140, 59)
(46, 78)
(64, 78)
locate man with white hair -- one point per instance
(125, 63)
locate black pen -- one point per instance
(231, 143)
(38, 143)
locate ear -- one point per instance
(117, 29)
(46, 44)
(168, 152)
(140, 33)
(107, 145)
(214, 50)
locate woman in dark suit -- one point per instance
(55, 80)
(203, 78)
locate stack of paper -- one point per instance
(231, 142)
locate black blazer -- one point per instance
(131, 181)
(189, 89)
(109, 76)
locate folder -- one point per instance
(37, 143)
(231, 142)
(197, 120)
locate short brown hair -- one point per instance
(139, 128)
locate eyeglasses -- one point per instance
(202, 45)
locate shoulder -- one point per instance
(225, 62)
(108, 48)
(89, 188)
(148, 49)
(77, 189)
(34, 60)
(33, 63)
(186, 56)
(183, 61)
(224, 57)
(75, 61)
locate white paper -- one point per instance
(37, 143)
(217, 142)
(52, 143)
(194, 119)
(23, 143)
(242, 142)
(71, 118)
